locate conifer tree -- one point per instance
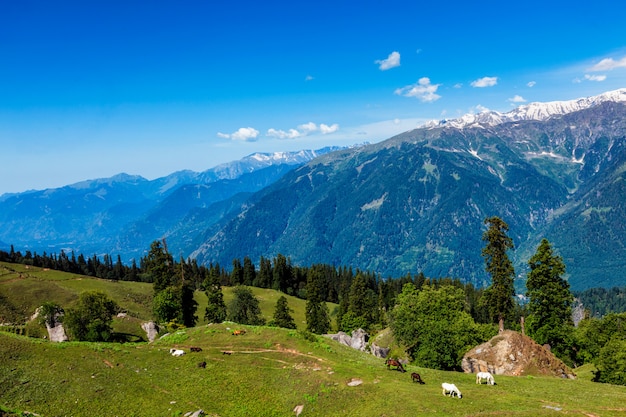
(244, 308)
(317, 317)
(282, 314)
(215, 311)
(499, 295)
(249, 272)
(550, 300)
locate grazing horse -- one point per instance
(177, 352)
(451, 389)
(486, 376)
(396, 363)
(195, 349)
(239, 332)
(415, 377)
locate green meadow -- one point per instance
(265, 372)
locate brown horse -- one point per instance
(396, 363)
(415, 377)
(239, 332)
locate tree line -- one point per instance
(436, 320)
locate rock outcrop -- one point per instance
(359, 340)
(511, 353)
(151, 329)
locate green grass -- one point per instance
(269, 372)
(23, 289)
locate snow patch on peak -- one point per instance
(533, 111)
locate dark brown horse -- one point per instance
(396, 363)
(415, 377)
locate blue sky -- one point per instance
(91, 89)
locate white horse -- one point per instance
(486, 376)
(451, 389)
(177, 352)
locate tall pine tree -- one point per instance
(550, 300)
(215, 311)
(499, 296)
(317, 317)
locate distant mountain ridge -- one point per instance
(124, 213)
(413, 203)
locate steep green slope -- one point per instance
(417, 202)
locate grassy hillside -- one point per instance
(24, 288)
(268, 373)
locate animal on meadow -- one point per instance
(394, 362)
(202, 364)
(227, 352)
(415, 377)
(486, 376)
(177, 352)
(195, 349)
(451, 389)
(239, 332)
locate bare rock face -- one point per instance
(151, 329)
(511, 353)
(57, 333)
(359, 340)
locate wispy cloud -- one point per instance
(531, 84)
(392, 61)
(608, 64)
(244, 134)
(309, 78)
(423, 90)
(588, 77)
(302, 130)
(517, 99)
(281, 134)
(595, 77)
(484, 82)
(307, 128)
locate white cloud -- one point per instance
(307, 128)
(245, 134)
(309, 78)
(423, 90)
(517, 99)
(589, 78)
(281, 134)
(479, 108)
(458, 85)
(595, 77)
(302, 130)
(325, 129)
(392, 61)
(484, 82)
(531, 84)
(608, 64)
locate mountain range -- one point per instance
(413, 203)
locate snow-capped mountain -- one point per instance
(533, 111)
(261, 160)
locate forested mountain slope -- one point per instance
(417, 202)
